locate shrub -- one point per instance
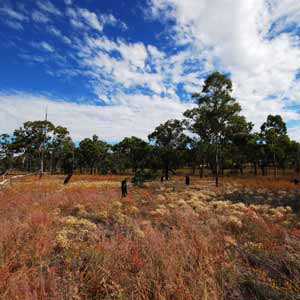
(141, 176)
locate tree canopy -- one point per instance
(214, 135)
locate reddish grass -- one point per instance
(131, 253)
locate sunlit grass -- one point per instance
(164, 241)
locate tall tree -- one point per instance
(61, 150)
(134, 151)
(274, 135)
(6, 153)
(170, 139)
(30, 141)
(217, 115)
(92, 152)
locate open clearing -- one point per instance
(163, 241)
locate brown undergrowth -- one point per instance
(164, 241)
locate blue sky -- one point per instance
(120, 68)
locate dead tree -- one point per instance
(124, 188)
(68, 178)
(187, 180)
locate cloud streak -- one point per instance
(137, 115)
(255, 42)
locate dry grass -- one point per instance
(81, 241)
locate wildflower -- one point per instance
(234, 222)
(133, 210)
(161, 198)
(241, 206)
(230, 240)
(103, 215)
(181, 202)
(75, 230)
(171, 205)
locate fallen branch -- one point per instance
(5, 181)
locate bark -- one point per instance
(167, 170)
(255, 168)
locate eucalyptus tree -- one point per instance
(61, 150)
(134, 151)
(216, 118)
(92, 153)
(294, 155)
(170, 140)
(6, 153)
(30, 141)
(274, 135)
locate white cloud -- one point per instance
(250, 39)
(130, 69)
(247, 39)
(12, 13)
(91, 19)
(59, 34)
(43, 46)
(14, 25)
(294, 133)
(46, 46)
(79, 17)
(48, 7)
(108, 19)
(134, 115)
(39, 17)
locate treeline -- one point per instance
(213, 135)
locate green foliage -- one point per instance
(92, 153)
(141, 176)
(217, 115)
(132, 152)
(171, 141)
(220, 137)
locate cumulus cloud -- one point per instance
(255, 42)
(134, 115)
(118, 65)
(252, 40)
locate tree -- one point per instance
(217, 115)
(92, 153)
(274, 136)
(196, 155)
(6, 153)
(170, 139)
(239, 138)
(61, 150)
(31, 140)
(294, 155)
(134, 151)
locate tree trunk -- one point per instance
(241, 169)
(193, 169)
(167, 170)
(217, 172)
(255, 168)
(202, 170)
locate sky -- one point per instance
(120, 68)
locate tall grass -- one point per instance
(82, 241)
